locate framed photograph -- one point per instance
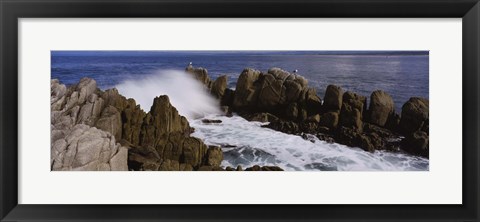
(226, 110)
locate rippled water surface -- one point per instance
(402, 76)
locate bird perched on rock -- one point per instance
(295, 71)
(190, 63)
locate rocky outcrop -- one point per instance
(333, 98)
(414, 116)
(246, 93)
(351, 113)
(96, 130)
(277, 92)
(83, 129)
(165, 142)
(414, 125)
(345, 119)
(289, 105)
(381, 108)
(201, 74)
(87, 148)
(217, 88)
(263, 168)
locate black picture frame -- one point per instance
(11, 11)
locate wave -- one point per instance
(188, 95)
(247, 143)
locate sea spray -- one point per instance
(189, 96)
(247, 143)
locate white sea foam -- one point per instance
(187, 94)
(263, 146)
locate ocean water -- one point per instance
(144, 75)
(402, 74)
(247, 143)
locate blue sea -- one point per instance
(402, 74)
(142, 75)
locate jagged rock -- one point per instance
(353, 138)
(201, 74)
(308, 127)
(416, 143)
(214, 156)
(219, 86)
(169, 165)
(163, 119)
(333, 98)
(293, 90)
(227, 98)
(76, 144)
(352, 111)
(329, 120)
(414, 115)
(284, 126)
(166, 135)
(315, 118)
(263, 168)
(85, 87)
(292, 111)
(381, 108)
(142, 159)
(393, 122)
(271, 91)
(210, 168)
(245, 93)
(261, 117)
(208, 121)
(313, 101)
(158, 140)
(110, 121)
(57, 92)
(87, 148)
(274, 92)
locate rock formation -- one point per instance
(93, 129)
(414, 125)
(77, 142)
(88, 126)
(277, 92)
(286, 101)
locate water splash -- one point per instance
(187, 94)
(247, 143)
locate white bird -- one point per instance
(190, 63)
(295, 71)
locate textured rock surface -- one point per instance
(263, 168)
(345, 119)
(381, 107)
(333, 98)
(245, 91)
(414, 115)
(88, 126)
(278, 92)
(219, 86)
(414, 124)
(351, 113)
(83, 129)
